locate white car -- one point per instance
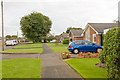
(53, 41)
(11, 42)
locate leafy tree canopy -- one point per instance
(14, 36)
(9, 37)
(35, 26)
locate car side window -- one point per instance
(88, 43)
(79, 42)
(82, 43)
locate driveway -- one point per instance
(54, 67)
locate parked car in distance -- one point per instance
(11, 42)
(53, 41)
(83, 46)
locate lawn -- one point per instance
(0, 69)
(58, 48)
(21, 68)
(86, 67)
(26, 48)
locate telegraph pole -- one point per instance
(17, 36)
(119, 14)
(2, 26)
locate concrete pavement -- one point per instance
(54, 67)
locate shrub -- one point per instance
(65, 41)
(102, 57)
(111, 53)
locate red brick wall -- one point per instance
(84, 38)
(98, 39)
(78, 38)
(91, 32)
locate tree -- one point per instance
(111, 53)
(8, 37)
(35, 26)
(71, 28)
(14, 36)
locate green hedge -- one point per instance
(111, 53)
(65, 41)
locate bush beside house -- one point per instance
(111, 53)
(65, 41)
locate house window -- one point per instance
(87, 36)
(94, 38)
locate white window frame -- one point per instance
(87, 36)
(94, 35)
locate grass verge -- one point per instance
(0, 69)
(26, 48)
(21, 68)
(86, 67)
(58, 48)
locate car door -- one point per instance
(82, 46)
(89, 47)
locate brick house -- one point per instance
(64, 36)
(57, 38)
(76, 34)
(94, 31)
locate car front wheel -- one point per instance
(75, 51)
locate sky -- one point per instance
(63, 13)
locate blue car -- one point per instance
(83, 46)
